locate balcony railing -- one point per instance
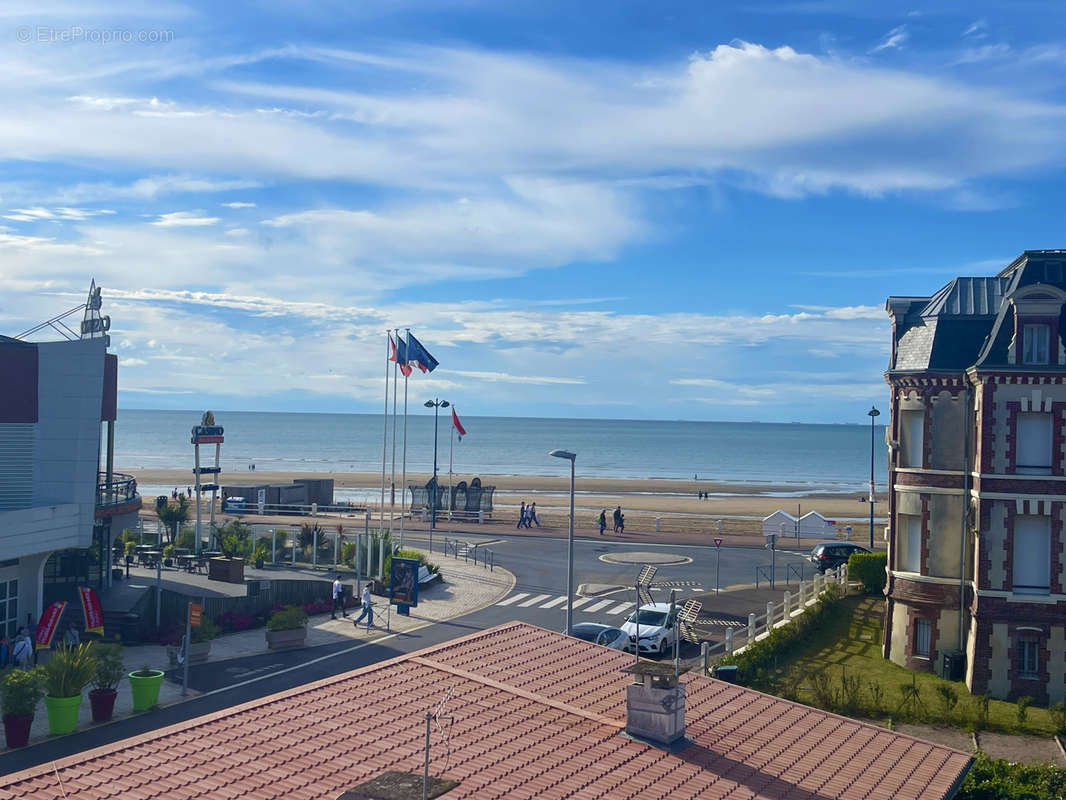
(121, 489)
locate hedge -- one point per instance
(869, 568)
(996, 779)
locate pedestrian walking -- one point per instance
(603, 521)
(22, 650)
(338, 598)
(617, 518)
(368, 610)
(521, 515)
(532, 512)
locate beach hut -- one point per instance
(813, 525)
(772, 524)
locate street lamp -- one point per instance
(572, 458)
(435, 404)
(874, 414)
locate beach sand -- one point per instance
(741, 507)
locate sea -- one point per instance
(787, 458)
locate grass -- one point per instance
(850, 643)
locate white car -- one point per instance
(596, 633)
(656, 625)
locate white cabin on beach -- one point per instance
(813, 525)
(780, 523)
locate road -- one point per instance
(538, 598)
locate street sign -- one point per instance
(196, 614)
(717, 542)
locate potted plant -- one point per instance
(229, 566)
(287, 628)
(200, 646)
(145, 683)
(67, 672)
(20, 689)
(109, 671)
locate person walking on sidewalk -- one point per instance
(603, 521)
(521, 515)
(532, 516)
(617, 518)
(338, 598)
(368, 609)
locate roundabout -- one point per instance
(658, 559)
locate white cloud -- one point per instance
(184, 219)
(893, 40)
(238, 204)
(504, 377)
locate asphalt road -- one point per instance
(540, 568)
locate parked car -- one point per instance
(656, 625)
(830, 555)
(596, 633)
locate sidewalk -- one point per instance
(465, 588)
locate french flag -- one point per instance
(399, 354)
(458, 425)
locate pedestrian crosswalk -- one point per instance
(603, 607)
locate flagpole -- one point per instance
(384, 437)
(392, 495)
(451, 448)
(403, 480)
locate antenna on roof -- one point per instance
(436, 716)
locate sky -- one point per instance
(671, 210)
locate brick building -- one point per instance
(977, 480)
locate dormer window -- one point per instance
(1035, 339)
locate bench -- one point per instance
(425, 576)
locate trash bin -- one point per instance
(954, 665)
(726, 672)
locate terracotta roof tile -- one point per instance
(535, 714)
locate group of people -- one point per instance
(527, 516)
(366, 602)
(20, 651)
(619, 521)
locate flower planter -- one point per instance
(103, 704)
(198, 652)
(17, 729)
(282, 640)
(230, 570)
(146, 689)
(62, 713)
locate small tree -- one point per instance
(173, 515)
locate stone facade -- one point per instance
(979, 372)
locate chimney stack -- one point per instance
(655, 704)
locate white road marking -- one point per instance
(533, 601)
(556, 602)
(580, 601)
(621, 608)
(513, 599)
(602, 604)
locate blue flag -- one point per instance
(418, 355)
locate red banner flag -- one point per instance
(46, 628)
(90, 606)
(458, 425)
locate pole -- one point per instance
(403, 480)
(451, 448)
(773, 559)
(196, 449)
(636, 616)
(214, 492)
(158, 588)
(570, 560)
(385, 435)
(188, 638)
(717, 568)
(873, 416)
(425, 765)
(433, 504)
(392, 495)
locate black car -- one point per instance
(830, 555)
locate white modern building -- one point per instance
(61, 503)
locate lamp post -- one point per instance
(572, 458)
(874, 414)
(435, 404)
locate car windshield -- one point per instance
(589, 635)
(648, 617)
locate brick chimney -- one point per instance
(655, 704)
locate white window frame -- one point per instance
(1033, 434)
(1036, 343)
(912, 427)
(9, 608)
(923, 629)
(1028, 659)
(912, 543)
(1031, 572)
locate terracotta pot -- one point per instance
(103, 703)
(17, 729)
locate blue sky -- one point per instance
(596, 209)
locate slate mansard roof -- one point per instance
(970, 321)
(536, 715)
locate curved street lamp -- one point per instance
(572, 458)
(435, 404)
(873, 414)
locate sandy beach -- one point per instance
(675, 503)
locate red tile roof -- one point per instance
(536, 715)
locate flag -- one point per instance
(46, 628)
(419, 355)
(458, 425)
(90, 606)
(399, 355)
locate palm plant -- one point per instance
(69, 670)
(173, 515)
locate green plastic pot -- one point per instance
(62, 713)
(146, 689)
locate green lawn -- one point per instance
(849, 645)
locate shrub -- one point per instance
(1058, 714)
(348, 553)
(409, 553)
(168, 551)
(997, 779)
(869, 569)
(948, 699)
(205, 631)
(232, 622)
(109, 667)
(69, 670)
(131, 548)
(288, 619)
(1023, 704)
(20, 689)
(983, 702)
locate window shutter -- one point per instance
(1032, 555)
(914, 545)
(1033, 439)
(913, 431)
